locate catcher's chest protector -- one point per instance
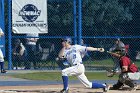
(133, 68)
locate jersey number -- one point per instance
(74, 56)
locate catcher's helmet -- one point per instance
(121, 52)
(67, 39)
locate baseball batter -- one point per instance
(1, 55)
(74, 55)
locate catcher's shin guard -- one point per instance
(130, 83)
(118, 85)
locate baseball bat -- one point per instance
(113, 53)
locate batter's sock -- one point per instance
(97, 85)
(65, 82)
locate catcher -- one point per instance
(119, 45)
(129, 71)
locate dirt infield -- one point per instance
(27, 86)
(74, 88)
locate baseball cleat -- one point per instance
(106, 88)
(64, 91)
(134, 88)
(3, 71)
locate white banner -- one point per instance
(29, 16)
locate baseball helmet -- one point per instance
(120, 52)
(67, 39)
(117, 39)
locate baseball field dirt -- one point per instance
(74, 88)
(10, 84)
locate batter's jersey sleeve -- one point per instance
(81, 49)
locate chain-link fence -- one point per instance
(43, 53)
(102, 22)
(106, 20)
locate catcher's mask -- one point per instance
(120, 52)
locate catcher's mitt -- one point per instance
(110, 73)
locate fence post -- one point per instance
(9, 36)
(80, 21)
(74, 19)
(2, 25)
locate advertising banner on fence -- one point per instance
(29, 16)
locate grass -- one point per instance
(106, 62)
(99, 63)
(57, 76)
